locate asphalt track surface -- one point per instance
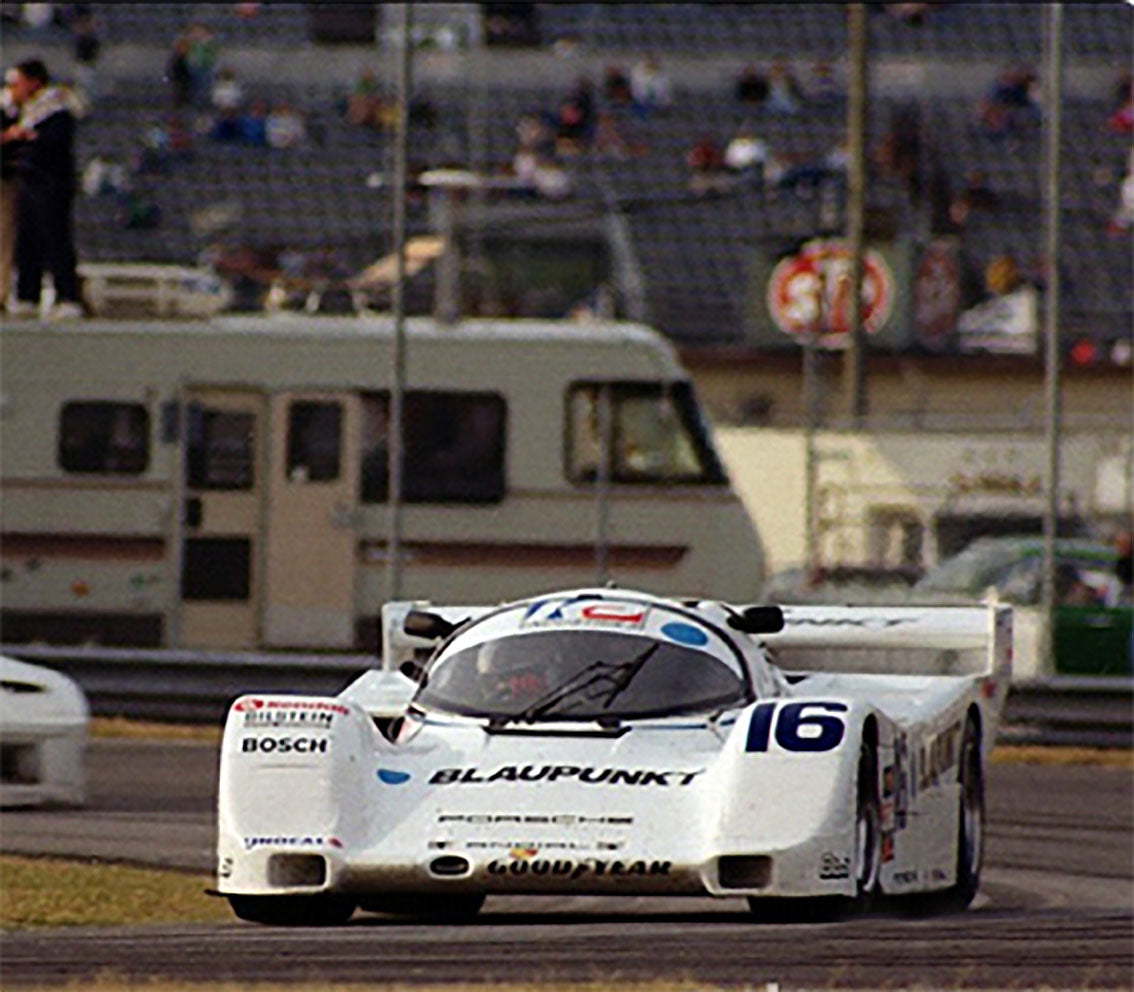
(1056, 907)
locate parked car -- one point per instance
(1092, 617)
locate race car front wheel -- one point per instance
(293, 911)
(867, 825)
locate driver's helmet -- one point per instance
(508, 671)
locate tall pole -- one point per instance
(1052, 115)
(398, 362)
(854, 367)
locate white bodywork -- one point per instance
(43, 735)
(754, 797)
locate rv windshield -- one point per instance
(580, 675)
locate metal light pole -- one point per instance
(398, 362)
(1053, 103)
(854, 366)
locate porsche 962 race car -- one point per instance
(602, 741)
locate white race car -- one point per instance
(43, 736)
(602, 741)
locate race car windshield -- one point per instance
(580, 675)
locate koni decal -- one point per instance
(556, 773)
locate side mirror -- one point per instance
(429, 626)
(758, 620)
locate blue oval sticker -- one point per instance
(391, 777)
(685, 633)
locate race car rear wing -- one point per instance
(893, 640)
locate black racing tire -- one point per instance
(970, 825)
(294, 911)
(867, 827)
(456, 908)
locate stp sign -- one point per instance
(811, 291)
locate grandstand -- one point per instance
(694, 256)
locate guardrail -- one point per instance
(196, 687)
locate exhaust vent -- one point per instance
(288, 870)
(744, 871)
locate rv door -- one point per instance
(311, 519)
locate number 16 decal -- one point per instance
(796, 728)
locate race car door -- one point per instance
(311, 515)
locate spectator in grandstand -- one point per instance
(201, 59)
(1011, 103)
(1122, 220)
(746, 154)
(367, 106)
(616, 86)
(751, 87)
(44, 167)
(576, 119)
(650, 87)
(179, 74)
(285, 126)
(898, 155)
(227, 127)
(1121, 121)
(87, 46)
(533, 134)
(707, 168)
(227, 93)
(254, 124)
(784, 93)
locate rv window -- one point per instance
(216, 568)
(453, 447)
(656, 434)
(220, 450)
(313, 441)
(104, 437)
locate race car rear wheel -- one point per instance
(293, 911)
(867, 826)
(970, 826)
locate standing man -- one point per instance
(10, 115)
(44, 167)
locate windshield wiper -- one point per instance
(629, 671)
(612, 678)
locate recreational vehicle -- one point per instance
(223, 483)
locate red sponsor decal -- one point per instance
(291, 704)
(611, 614)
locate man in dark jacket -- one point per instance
(44, 167)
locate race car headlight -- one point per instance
(287, 870)
(744, 871)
